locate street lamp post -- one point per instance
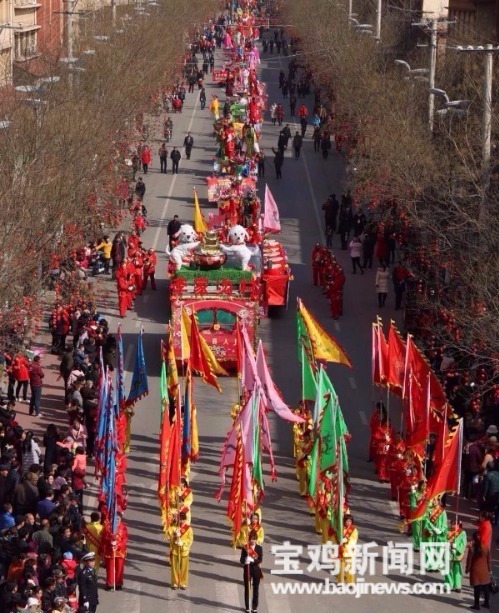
(377, 36)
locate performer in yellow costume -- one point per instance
(347, 550)
(181, 540)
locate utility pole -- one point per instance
(432, 25)
(377, 35)
(431, 76)
(488, 52)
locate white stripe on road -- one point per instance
(172, 184)
(138, 323)
(363, 418)
(353, 385)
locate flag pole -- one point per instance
(459, 465)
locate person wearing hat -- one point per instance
(180, 545)
(87, 584)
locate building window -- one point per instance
(25, 45)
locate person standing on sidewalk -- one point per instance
(175, 157)
(163, 158)
(478, 566)
(36, 376)
(355, 247)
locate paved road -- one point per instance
(215, 575)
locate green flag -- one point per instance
(257, 472)
(313, 472)
(163, 388)
(328, 437)
(308, 378)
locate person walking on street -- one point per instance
(273, 113)
(188, 144)
(287, 134)
(478, 566)
(355, 247)
(140, 189)
(368, 249)
(382, 279)
(325, 145)
(303, 125)
(280, 114)
(251, 559)
(145, 158)
(163, 157)
(292, 105)
(399, 275)
(297, 144)
(36, 376)
(317, 137)
(261, 164)
(281, 142)
(175, 157)
(172, 230)
(202, 98)
(278, 162)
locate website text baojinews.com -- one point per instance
(331, 588)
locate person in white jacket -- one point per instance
(355, 248)
(382, 281)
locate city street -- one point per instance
(215, 581)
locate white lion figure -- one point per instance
(187, 242)
(238, 252)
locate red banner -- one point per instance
(219, 75)
(220, 187)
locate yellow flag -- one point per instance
(185, 329)
(324, 346)
(200, 224)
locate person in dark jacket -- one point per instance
(175, 157)
(278, 162)
(87, 584)
(251, 559)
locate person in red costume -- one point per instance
(150, 261)
(485, 528)
(123, 291)
(114, 550)
(379, 413)
(383, 437)
(317, 265)
(396, 465)
(335, 291)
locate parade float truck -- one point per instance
(212, 282)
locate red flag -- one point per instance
(169, 460)
(271, 221)
(447, 477)
(198, 359)
(236, 494)
(396, 360)
(417, 366)
(379, 355)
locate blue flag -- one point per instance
(139, 386)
